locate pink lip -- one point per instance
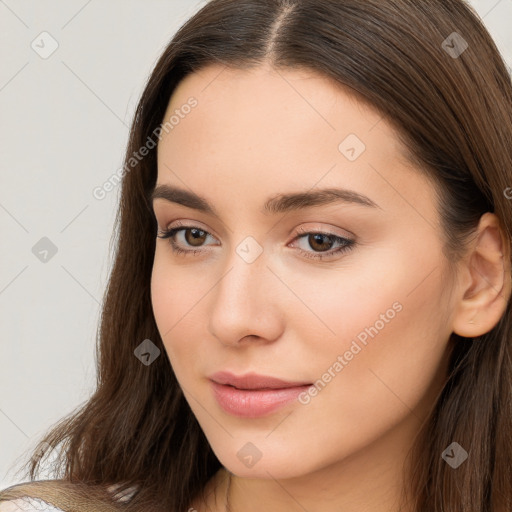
(253, 395)
(254, 381)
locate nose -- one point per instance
(245, 303)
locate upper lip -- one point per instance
(253, 381)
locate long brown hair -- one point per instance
(453, 112)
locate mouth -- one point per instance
(252, 395)
(254, 381)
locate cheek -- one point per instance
(165, 290)
(176, 297)
(358, 300)
(161, 295)
(389, 353)
(373, 295)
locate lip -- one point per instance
(252, 395)
(254, 381)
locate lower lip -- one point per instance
(251, 403)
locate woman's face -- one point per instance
(367, 326)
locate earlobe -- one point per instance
(483, 302)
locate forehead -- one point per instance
(296, 104)
(264, 128)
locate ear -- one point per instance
(487, 281)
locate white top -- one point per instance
(27, 504)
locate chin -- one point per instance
(261, 460)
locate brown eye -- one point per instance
(196, 238)
(319, 245)
(320, 241)
(189, 236)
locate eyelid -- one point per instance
(190, 224)
(301, 230)
(299, 233)
(326, 230)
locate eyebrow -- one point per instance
(280, 203)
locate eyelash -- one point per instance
(347, 243)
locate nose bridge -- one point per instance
(242, 287)
(241, 302)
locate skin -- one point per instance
(259, 132)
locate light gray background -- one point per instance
(63, 128)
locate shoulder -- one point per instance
(24, 502)
(27, 504)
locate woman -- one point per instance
(310, 304)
